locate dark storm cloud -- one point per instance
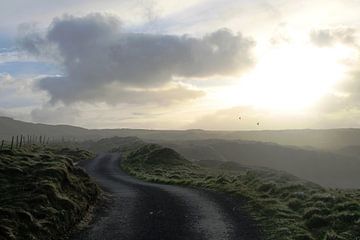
(96, 52)
(328, 37)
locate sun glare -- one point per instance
(290, 78)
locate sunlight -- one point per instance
(290, 78)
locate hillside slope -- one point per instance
(325, 168)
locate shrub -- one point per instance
(317, 221)
(295, 204)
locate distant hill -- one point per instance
(113, 144)
(10, 127)
(329, 139)
(325, 168)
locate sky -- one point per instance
(157, 64)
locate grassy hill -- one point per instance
(328, 169)
(154, 154)
(285, 206)
(43, 194)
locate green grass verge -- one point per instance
(285, 207)
(43, 195)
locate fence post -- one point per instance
(12, 143)
(21, 139)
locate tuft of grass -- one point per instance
(43, 194)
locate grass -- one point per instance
(285, 207)
(43, 194)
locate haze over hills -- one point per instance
(328, 169)
(329, 139)
(335, 169)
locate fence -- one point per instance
(17, 141)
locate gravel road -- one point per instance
(140, 210)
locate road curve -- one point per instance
(146, 211)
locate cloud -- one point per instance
(350, 89)
(54, 115)
(6, 80)
(17, 99)
(96, 52)
(114, 93)
(344, 97)
(30, 38)
(163, 96)
(328, 37)
(16, 93)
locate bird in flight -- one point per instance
(258, 123)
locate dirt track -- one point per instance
(145, 211)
